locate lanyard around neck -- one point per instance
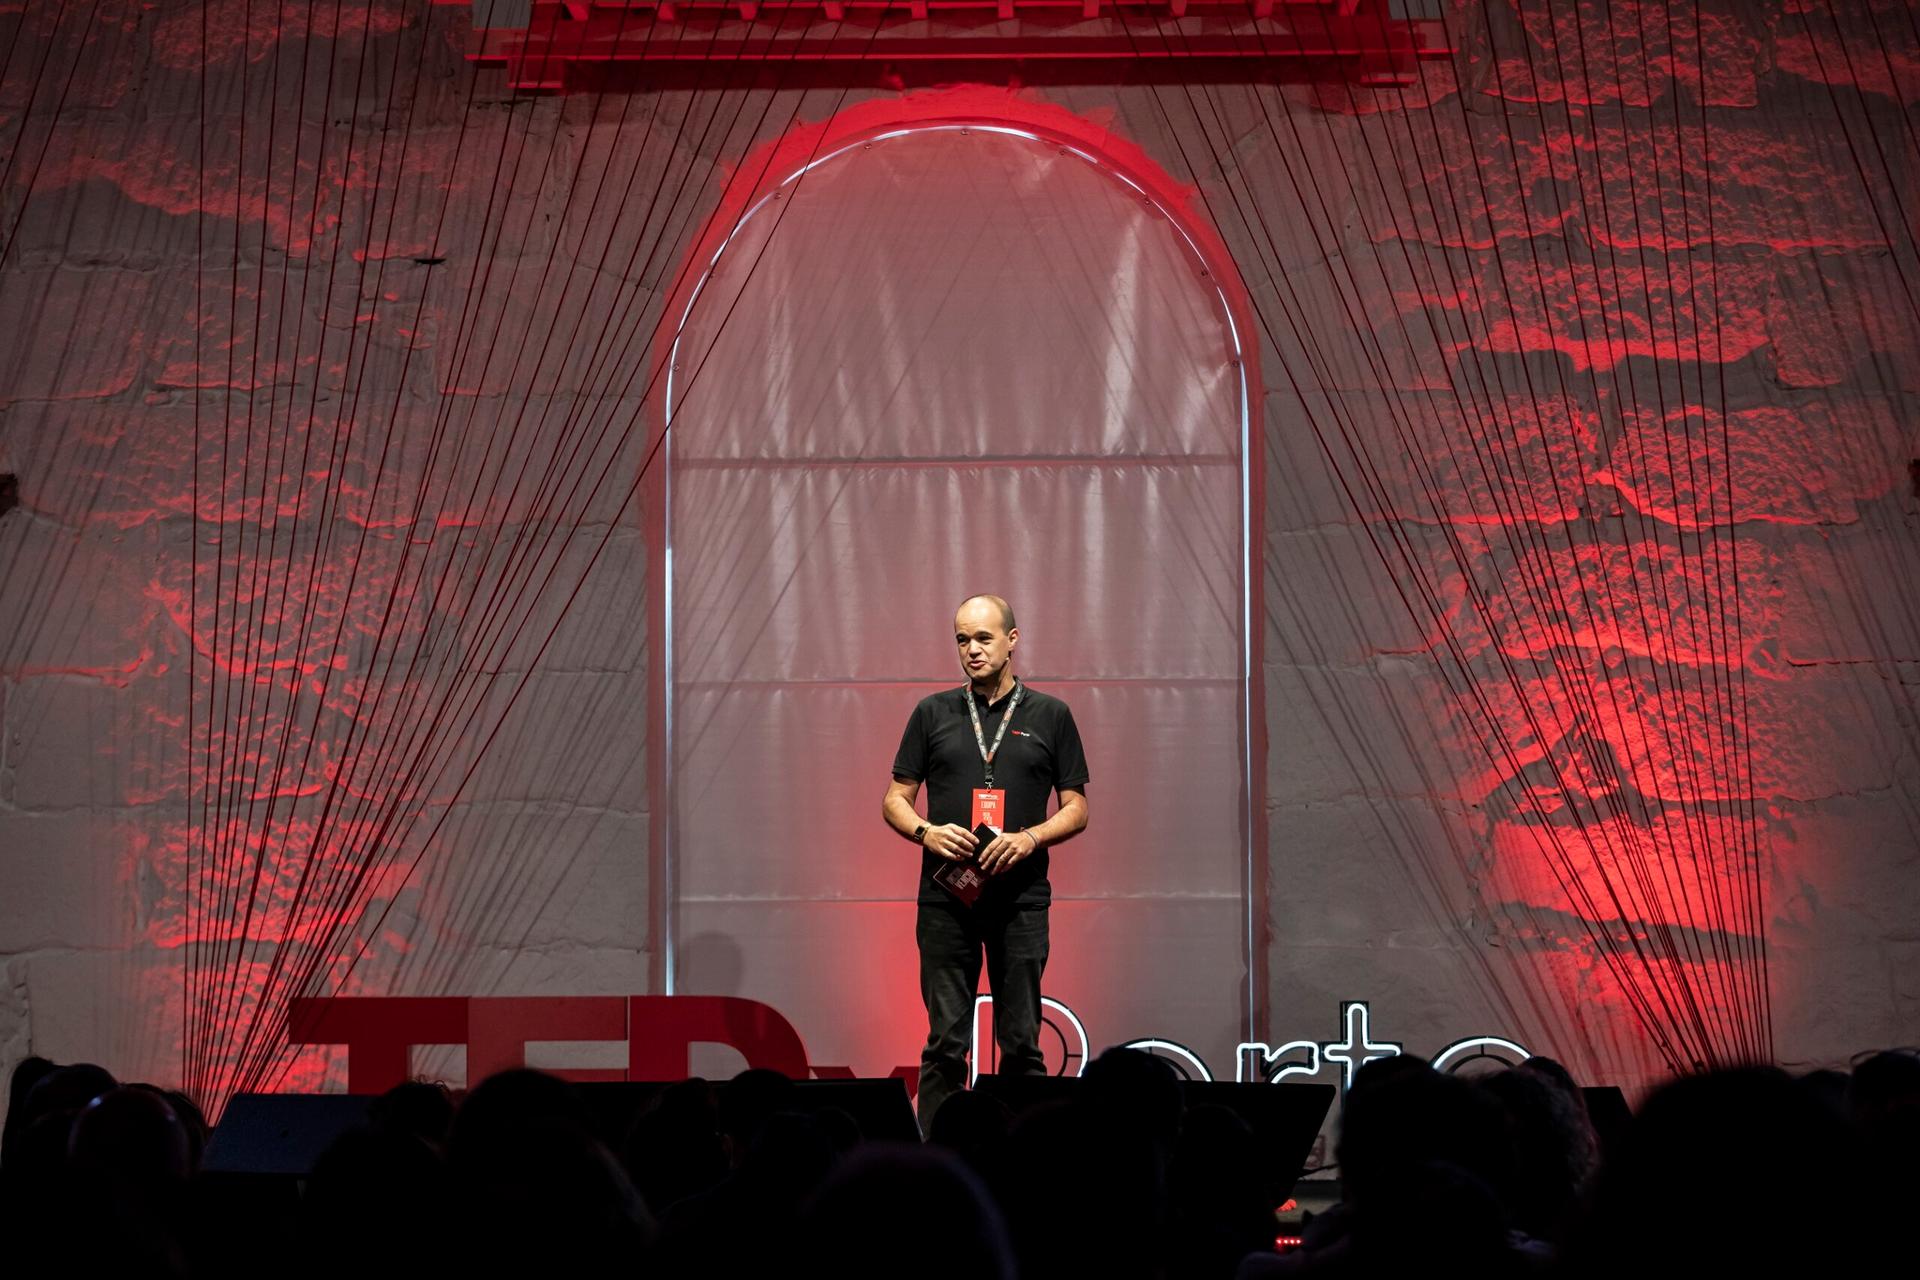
(979, 735)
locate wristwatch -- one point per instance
(920, 834)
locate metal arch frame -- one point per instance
(974, 109)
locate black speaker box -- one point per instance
(281, 1133)
(880, 1106)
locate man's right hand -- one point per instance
(951, 841)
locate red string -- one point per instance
(1408, 562)
(1490, 471)
(360, 874)
(263, 1005)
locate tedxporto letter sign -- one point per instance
(379, 1033)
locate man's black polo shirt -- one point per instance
(1040, 754)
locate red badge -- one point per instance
(989, 807)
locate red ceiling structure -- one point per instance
(548, 46)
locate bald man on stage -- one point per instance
(990, 752)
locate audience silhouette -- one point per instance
(1747, 1170)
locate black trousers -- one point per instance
(953, 938)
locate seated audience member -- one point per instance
(510, 1102)
(1221, 1199)
(1707, 1179)
(1884, 1087)
(843, 1131)
(128, 1161)
(1421, 1155)
(534, 1191)
(1827, 1088)
(64, 1092)
(1137, 1090)
(422, 1108)
(378, 1200)
(130, 1137)
(1607, 1123)
(26, 1074)
(746, 1103)
(895, 1210)
(35, 1180)
(1555, 1073)
(1883, 1103)
(743, 1226)
(973, 1125)
(199, 1132)
(1552, 1157)
(1083, 1195)
(675, 1148)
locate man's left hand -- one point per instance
(1006, 849)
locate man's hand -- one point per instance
(1006, 849)
(950, 841)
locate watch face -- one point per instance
(920, 833)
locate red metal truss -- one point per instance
(550, 44)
